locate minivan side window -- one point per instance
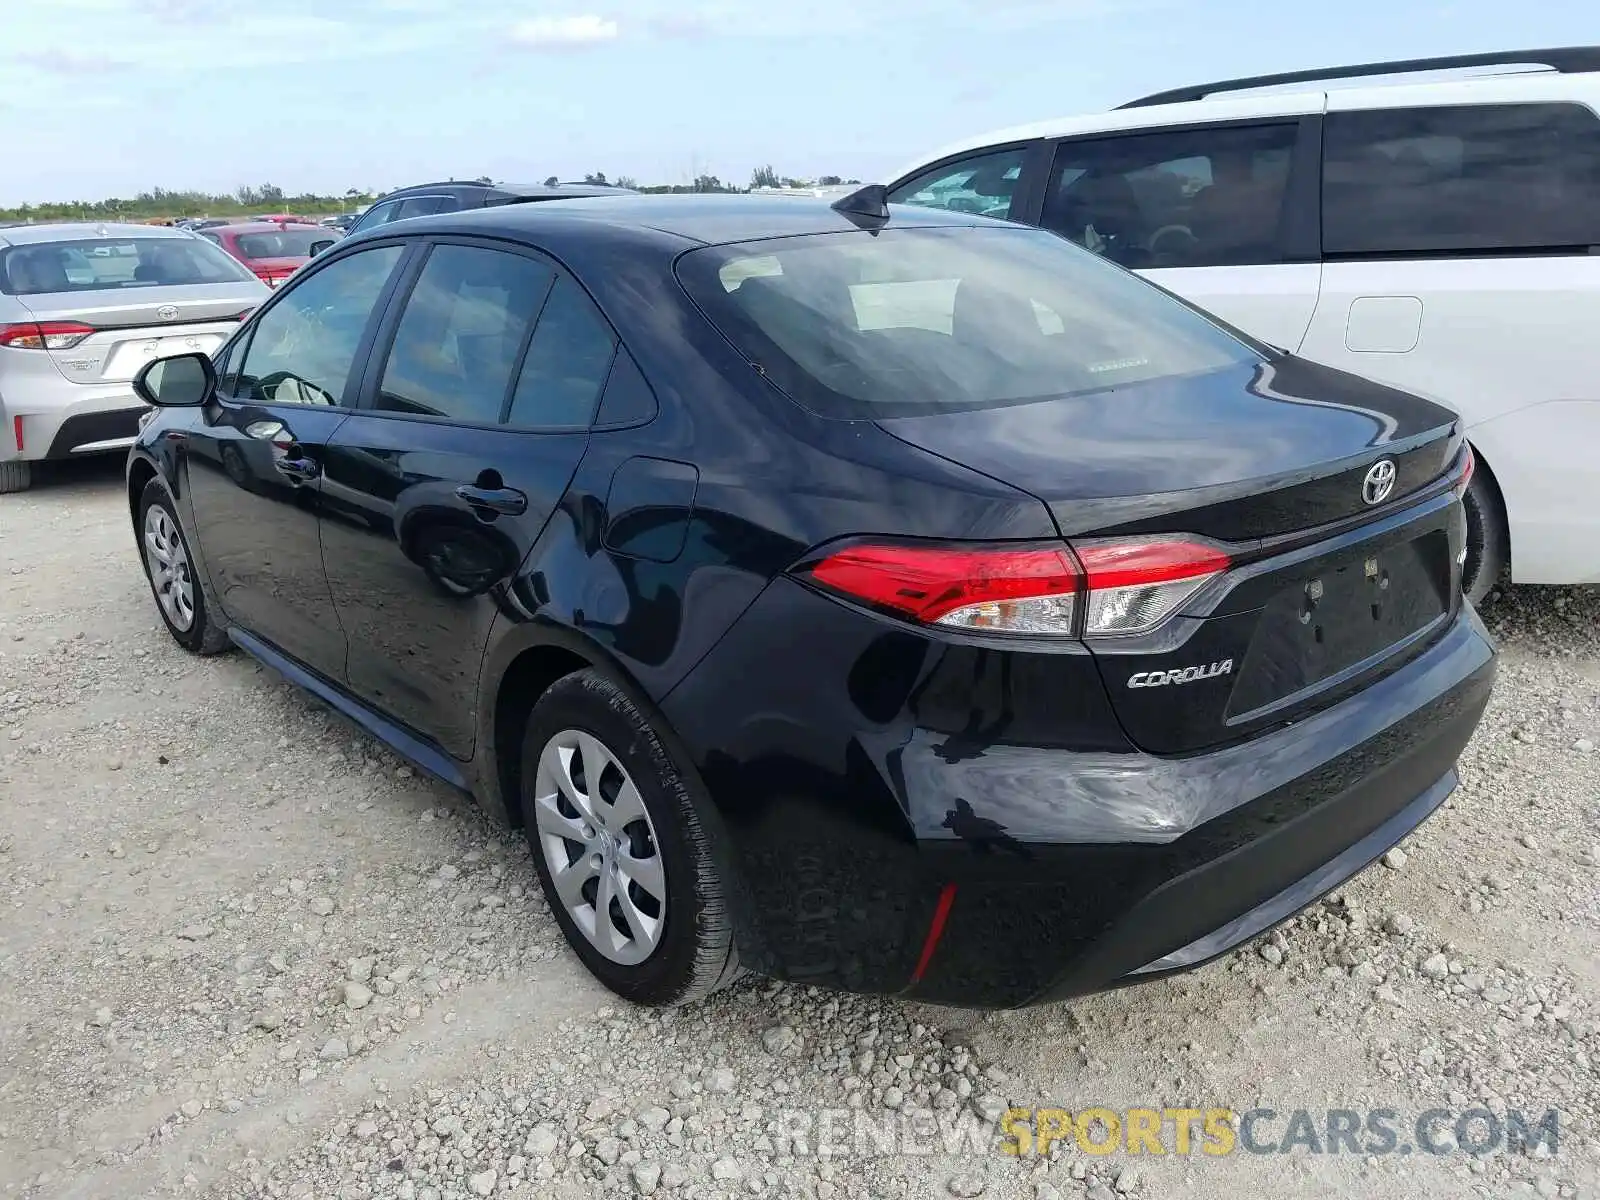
(1208, 196)
(458, 342)
(303, 348)
(1461, 179)
(983, 184)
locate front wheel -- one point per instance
(179, 595)
(617, 841)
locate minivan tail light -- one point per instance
(44, 335)
(992, 589)
(1133, 586)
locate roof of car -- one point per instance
(266, 227)
(62, 231)
(510, 189)
(1286, 100)
(707, 219)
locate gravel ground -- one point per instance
(246, 952)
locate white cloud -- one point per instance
(564, 32)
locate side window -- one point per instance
(304, 346)
(211, 237)
(568, 361)
(226, 361)
(627, 399)
(1461, 179)
(982, 185)
(1193, 198)
(464, 325)
(378, 214)
(425, 206)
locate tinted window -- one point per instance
(378, 214)
(920, 320)
(982, 185)
(1198, 197)
(1485, 177)
(303, 347)
(464, 326)
(423, 206)
(568, 361)
(628, 399)
(99, 263)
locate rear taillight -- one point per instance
(1135, 585)
(44, 335)
(1106, 589)
(998, 589)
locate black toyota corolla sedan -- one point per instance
(880, 598)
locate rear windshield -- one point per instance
(94, 264)
(285, 243)
(929, 320)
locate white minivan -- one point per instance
(1432, 224)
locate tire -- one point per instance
(692, 950)
(1488, 539)
(190, 622)
(15, 476)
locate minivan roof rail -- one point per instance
(1565, 60)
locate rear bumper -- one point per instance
(1065, 870)
(68, 419)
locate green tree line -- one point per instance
(165, 204)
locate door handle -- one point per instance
(493, 501)
(301, 470)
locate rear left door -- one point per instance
(475, 413)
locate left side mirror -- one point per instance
(183, 381)
(318, 247)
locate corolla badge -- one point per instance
(1375, 488)
(168, 312)
(1150, 679)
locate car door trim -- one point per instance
(408, 745)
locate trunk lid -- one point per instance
(1327, 590)
(1243, 453)
(132, 326)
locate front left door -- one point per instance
(475, 414)
(254, 459)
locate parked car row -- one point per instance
(880, 595)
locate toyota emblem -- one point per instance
(1375, 488)
(167, 312)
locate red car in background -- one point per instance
(272, 250)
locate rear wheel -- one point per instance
(1488, 539)
(15, 476)
(619, 848)
(175, 584)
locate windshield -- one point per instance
(284, 243)
(932, 319)
(94, 264)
